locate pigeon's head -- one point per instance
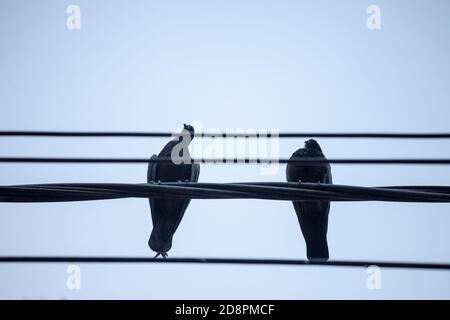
(312, 144)
(190, 129)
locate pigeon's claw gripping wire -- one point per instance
(164, 255)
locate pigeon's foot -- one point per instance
(162, 254)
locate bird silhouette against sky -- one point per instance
(312, 216)
(167, 213)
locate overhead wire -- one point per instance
(282, 262)
(303, 161)
(231, 134)
(284, 191)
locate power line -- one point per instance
(231, 134)
(283, 191)
(286, 262)
(304, 161)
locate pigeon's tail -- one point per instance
(313, 219)
(317, 249)
(315, 235)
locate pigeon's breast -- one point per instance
(306, 173)
(169, 172)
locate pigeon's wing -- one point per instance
(329, 177)
(325, 206)
(151, 177)
(151, 171)
(195, 172)
(289, 165)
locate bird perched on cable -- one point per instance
(167, 213)
(312, 216)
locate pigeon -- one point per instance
(167, 213)
(312, 216)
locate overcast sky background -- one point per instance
(287, 65)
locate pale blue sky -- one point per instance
(287, 65)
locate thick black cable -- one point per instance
(364, 135)
(304, 161)
(286, 262)
(266, 191)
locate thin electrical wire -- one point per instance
(229, 134)
(303, 161)
(286, 262)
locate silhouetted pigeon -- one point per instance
(312, 216)
(167, 213)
